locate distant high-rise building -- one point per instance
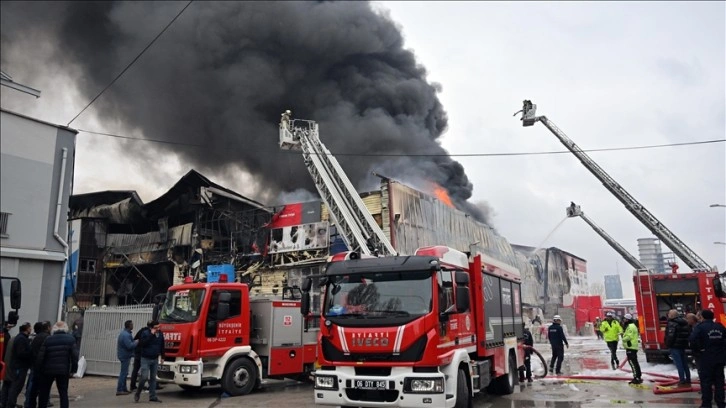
(613, 287)
(651, 254)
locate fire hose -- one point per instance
(542, 359)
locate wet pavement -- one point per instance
(586, 356)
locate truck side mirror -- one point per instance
(307, 283)
(305, 304)
(462, 299)
(461, 278)
(16, 294)
(13, 318)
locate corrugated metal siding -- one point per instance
(101, 327)
(371, 200)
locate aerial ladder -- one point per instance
(575, 211)
(678, 247)
(355, 223)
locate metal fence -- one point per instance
(101, 327)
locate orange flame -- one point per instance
(442, 195)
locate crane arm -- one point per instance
(574, 211)
(353, 220)
(678, 247)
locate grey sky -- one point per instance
(609, 74)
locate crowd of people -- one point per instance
(35, 358)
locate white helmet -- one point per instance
(557, 317)
(628, 316)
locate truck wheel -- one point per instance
(504, 385)
(463, 396)
(239, 377)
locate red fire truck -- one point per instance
(656, 294)
(432, 329)
(216, 333)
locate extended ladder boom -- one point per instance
(679, 248)
(575, 211)
(353, 220)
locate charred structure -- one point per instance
(129, 251)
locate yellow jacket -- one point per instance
(611, 330)
(630, 337)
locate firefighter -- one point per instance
(557, 339)
(630, 342)
(611, 331)
(528, 344)
(709, 338)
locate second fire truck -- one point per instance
(433, 329)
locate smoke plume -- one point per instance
(225, 71)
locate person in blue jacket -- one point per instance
(709, 338)
(125, 345)
(558, 341)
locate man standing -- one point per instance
(630, 342)
(558, 341)
(137, 357)
(57, 361)
(710, 338)
(528, 344)
(42, 331)
(152, 348)
(611, 331)
(22, 361)
(125, 346)
(676, 339)
(598, 333)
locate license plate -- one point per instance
(371, 385)
(163, 367)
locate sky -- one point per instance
(608, 74)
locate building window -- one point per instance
(87, 266)
(4, 224)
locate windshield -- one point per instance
(182, 305)
(379, 294)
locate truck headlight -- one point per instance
(423, 385)
(326, 382)
(188, 369)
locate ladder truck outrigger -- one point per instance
(655, 293)
(431, 329)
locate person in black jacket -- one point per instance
(22, 361)
(676, 339)
(137, 358)
(528, 344)
(152, 348)
(709, 338)
(557, 340)
(57, 361)
(42, 331)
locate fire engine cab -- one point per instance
(432, 329)
(216, 333)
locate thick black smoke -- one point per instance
(225, 71)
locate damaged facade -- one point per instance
(126, 252)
